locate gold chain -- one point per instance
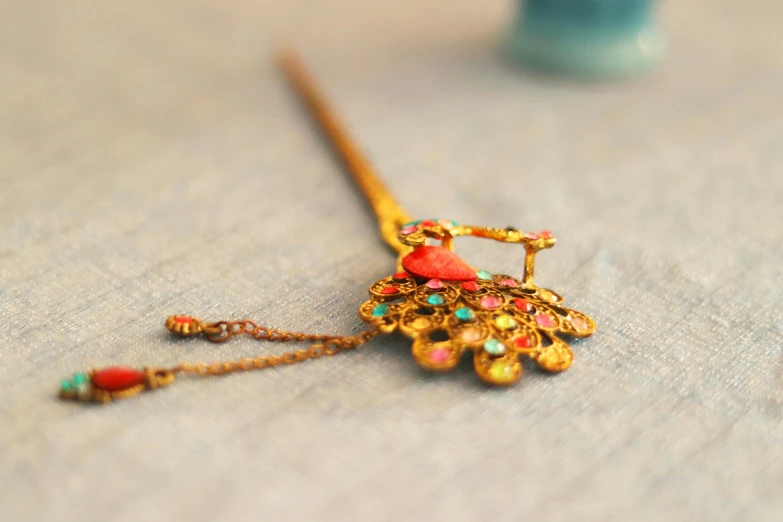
(222, 331)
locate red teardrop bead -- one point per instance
(117, 378)
(437, 262)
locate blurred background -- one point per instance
(153, 161)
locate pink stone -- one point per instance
(410, 229)
(471, 335)
(546, 234)
(387, 290)
(490, 302)
(439, 355)
(509, 282)
(531, 235)
(544, 320)
(523, 304)
(434, 284)
(437, 262)
(579, 324)
(445, 224)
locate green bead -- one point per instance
(80, 378)
(484, 274)
(380, 310)
(464, 314)
(494, 347)
(66, 385)
(436, 300)
(412, 223)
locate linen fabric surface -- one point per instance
(153, 161)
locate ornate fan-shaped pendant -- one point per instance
(448, 308)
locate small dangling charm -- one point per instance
(120, 382)
(115, 382)
(184, 325)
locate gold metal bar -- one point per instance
(389, 213)
(530, 265)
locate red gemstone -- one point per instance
(546, 234)
(437, 262)
(400, 276)
(183, 319)
(389, 290)
(523, 305)
(470, 286)
(523, 341)
(117, 378)
(428, 223)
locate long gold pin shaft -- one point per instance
(389, 213)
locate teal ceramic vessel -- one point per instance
(587, 38)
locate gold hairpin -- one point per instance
(436, 299)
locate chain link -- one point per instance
(222, 331)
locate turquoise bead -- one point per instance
(65, 385)
(494, 347)
(412, 223)
(464, 314)
(484, 274)
(80, 378)
(436, 300)
(380, 310)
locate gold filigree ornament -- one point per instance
(448, 308)
(445, 306)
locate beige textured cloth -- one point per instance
(153, 162)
